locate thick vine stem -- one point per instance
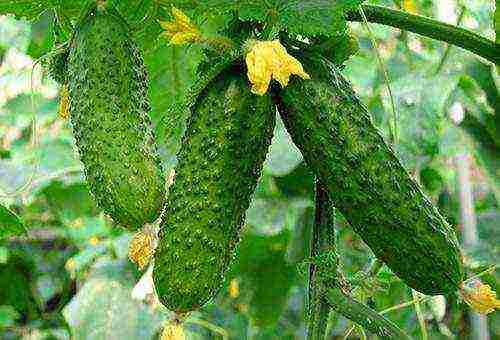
(327, 289)
(363, 315)
(323, 240)
(431, 28)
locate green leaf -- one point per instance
(16, 278)
(299, 246)
(42, 37)
(266, 274)
(316, 17)
(103, 307)
(8, 316)
(10, 223)
(298, 183)
(68, 201)
(305, 17)
(172, 71)
(31, 9)
(323, 17)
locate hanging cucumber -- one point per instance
(109, 112)
(219, 165)
(367, 182)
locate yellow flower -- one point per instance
(94, 240)
(480, 297)
(64, 103)
(269, 60)
(234, 289)
(142, 247)
(180, 30)
(70, 265)
(410, 7)
(173, 332)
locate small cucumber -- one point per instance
(366, 181)
(219, 165)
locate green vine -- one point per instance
(327, 288)
(431, 28)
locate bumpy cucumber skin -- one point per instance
(366, 181)
(219, 165)
(109, 114)
(57, 66)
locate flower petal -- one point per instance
(269, 59)
(480, 297)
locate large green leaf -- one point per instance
(16, 279)
(305, 17)
(10, 223)
(103, 307)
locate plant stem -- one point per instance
(323, 240)
(328, 294)
(364, 315)
(430, 28)
(446, 54)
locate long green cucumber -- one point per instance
(366, 181)
(219, 164)
(109, 112)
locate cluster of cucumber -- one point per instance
(221, 159)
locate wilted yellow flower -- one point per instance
(243, 308)
(234, 289)
(64, 103)
(70, 265)
(480, 297)
(173, 331)
(94, 240)
(180, 30)
(410, 7)
(142, 247)
(267, 60)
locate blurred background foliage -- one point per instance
(65, 273)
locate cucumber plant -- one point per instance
(229, 132)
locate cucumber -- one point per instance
(366, 181)
(219, 164)
(109, 109)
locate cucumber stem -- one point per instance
(363, 315)
(327, 295)
(323, 240)
(431, 28)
